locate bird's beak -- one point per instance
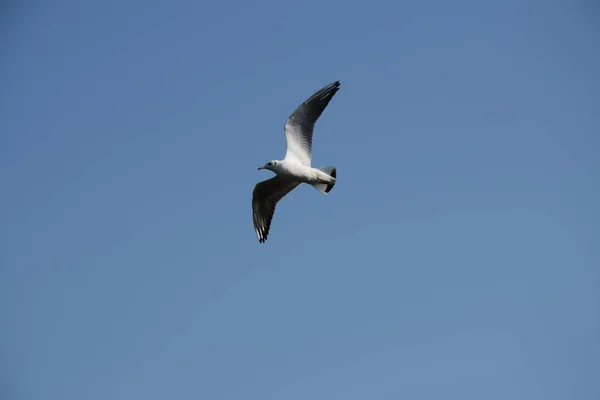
(263, 167)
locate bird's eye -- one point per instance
(269, 163)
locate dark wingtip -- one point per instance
(334, 86)
(263, 236)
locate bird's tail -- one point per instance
(326, 187)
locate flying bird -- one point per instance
(295, 169)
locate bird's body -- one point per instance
(301, 173)
(295, 169)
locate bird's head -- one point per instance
(271, 165)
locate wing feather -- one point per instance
(300, 125)
(265, 197)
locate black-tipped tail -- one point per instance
(326, 187)
(331, 185)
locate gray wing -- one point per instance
(265, 197)
(300, 125)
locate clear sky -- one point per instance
(457, 257)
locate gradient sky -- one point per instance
(457, 257)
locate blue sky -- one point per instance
(457, 256)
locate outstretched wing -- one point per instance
(300, 125)
(265, 197)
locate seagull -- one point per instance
(295, 169)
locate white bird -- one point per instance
(295, 169)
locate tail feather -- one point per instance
(326, 187)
